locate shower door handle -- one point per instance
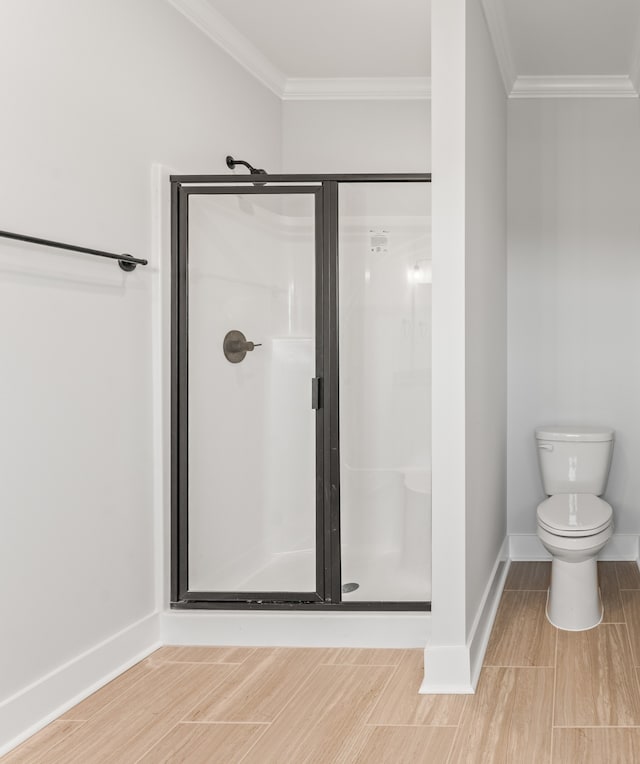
(316, 393)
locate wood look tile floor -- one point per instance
(544, 696)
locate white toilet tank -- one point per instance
(574, 459)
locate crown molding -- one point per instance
(634, 63)
(245, 53)
(497, 22)
(357, 89)
(597, 86)
(224, 34)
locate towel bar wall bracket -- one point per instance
(127, 265)
(126, 262)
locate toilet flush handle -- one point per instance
(545, 446)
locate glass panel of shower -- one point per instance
(385, 390)
(251, 361)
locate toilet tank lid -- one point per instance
(574, 434)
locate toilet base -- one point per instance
(573, 600)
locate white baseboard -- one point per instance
(447, 670)
(527, 546)
(26, 712)
(455, 669)
(286, 629)
(486, 615)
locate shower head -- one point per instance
(231, 164)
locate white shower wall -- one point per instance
(386, 343)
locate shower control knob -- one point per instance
(235, 346)
(250, 345)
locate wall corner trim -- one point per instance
(33, 707)
(596, 86)
(494, 13)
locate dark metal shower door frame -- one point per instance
(180, 588)
(328, 551)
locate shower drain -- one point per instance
(348, 588)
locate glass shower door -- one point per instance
(250, 270)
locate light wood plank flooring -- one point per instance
(544, 696)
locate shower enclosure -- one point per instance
(301, 387)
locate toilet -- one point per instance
(574, 524)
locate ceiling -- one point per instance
(337, 38)
(572, 37)
(342, 48)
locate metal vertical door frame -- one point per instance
(333, 585)
(180, 591)
(179, 393)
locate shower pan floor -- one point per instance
(381, 579)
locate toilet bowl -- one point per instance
(574, 524)
(574, 528)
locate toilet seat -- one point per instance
(574, 515)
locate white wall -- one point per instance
(574, 270)
(446, 654)
(356, 136)
(469, 340)
(93, 93)
(486, 310)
